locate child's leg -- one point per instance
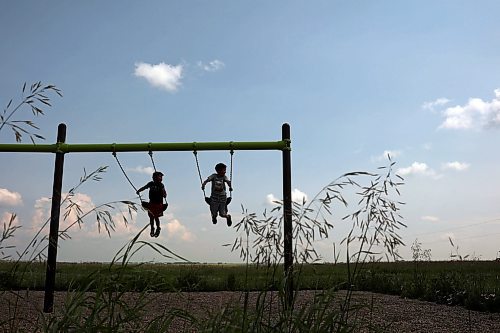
(151, 224)
(214, 207)
(223, 213)
(157, 233)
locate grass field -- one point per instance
(474, 284)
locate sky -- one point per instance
(356, 81)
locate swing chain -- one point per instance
(124, 173)
(199, 172)
(151, 156)
(231, 174)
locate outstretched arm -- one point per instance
(141, 189)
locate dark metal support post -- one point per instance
(50, 276)
(287, 216)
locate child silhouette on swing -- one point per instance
(155, 206)
(218, 196)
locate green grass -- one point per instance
(475, 284)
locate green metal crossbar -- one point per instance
(131, 147)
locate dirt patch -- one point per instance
(22, 310)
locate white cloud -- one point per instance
(10, 198)
(164, 76)
(212, 66)
(423, 169)
(176, 230)
(430, 218)
(458, 166)
(438, 102)
(391, 153)
(142, 170)
(271, 199)
(42, 212)
(418, 168)
(476, 114)
(297, 196)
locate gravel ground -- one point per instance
(393, 313)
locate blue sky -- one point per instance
(355, 80)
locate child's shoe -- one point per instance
(229, 221)
(157, 233)
(214, 219)
(152, 233)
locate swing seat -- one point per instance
(209, 201)
(145, 204)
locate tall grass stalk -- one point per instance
(36, 98)
(375, 223)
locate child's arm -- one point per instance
(205, 182)
(141, 189)
(229, 184)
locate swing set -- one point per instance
(60, 148)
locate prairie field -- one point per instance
(473, 284)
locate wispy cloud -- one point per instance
(386, 153)
(10, 198)
(427, 146)
(422, 169)
(211, 66)
(437, 103)
(476, 114)
(418, 168)
(458, 166)
(162, 75)
(447, 236)
(430, 218)
(142, 170)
